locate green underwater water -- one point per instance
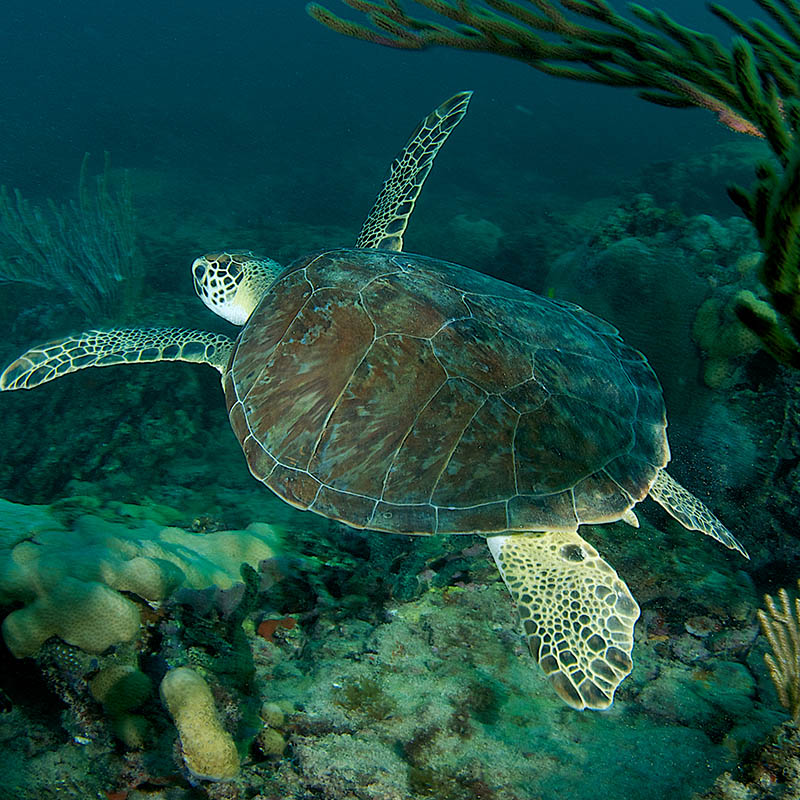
(394, 667)
(403, 673)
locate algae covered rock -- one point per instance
(209, 751)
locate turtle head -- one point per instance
(232, 284)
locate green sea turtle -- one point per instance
(401, 393)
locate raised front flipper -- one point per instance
(577, 613)
(388, 219)
(117, 346)
(690, 512)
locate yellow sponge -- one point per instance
(208, 749)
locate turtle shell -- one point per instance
(402, 393)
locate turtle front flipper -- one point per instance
(681, 504)
(99, 348)
(577, 613)
(387, 221)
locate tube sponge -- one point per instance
(208, 749)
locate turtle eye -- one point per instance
(199, 270)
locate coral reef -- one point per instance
(709, 264)
(414, 705)
(75, 583)
(772, 772)
(377, 699)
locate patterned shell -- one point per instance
(402, 393)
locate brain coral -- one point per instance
(208, 749)
(69, 581)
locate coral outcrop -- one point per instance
(121, 688)
(77, 583)
(208, 749)
(723, 338)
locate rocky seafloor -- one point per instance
(432, 696)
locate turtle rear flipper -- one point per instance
(386, 223)
(683, 506)
(98, 348)
(577, 613)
